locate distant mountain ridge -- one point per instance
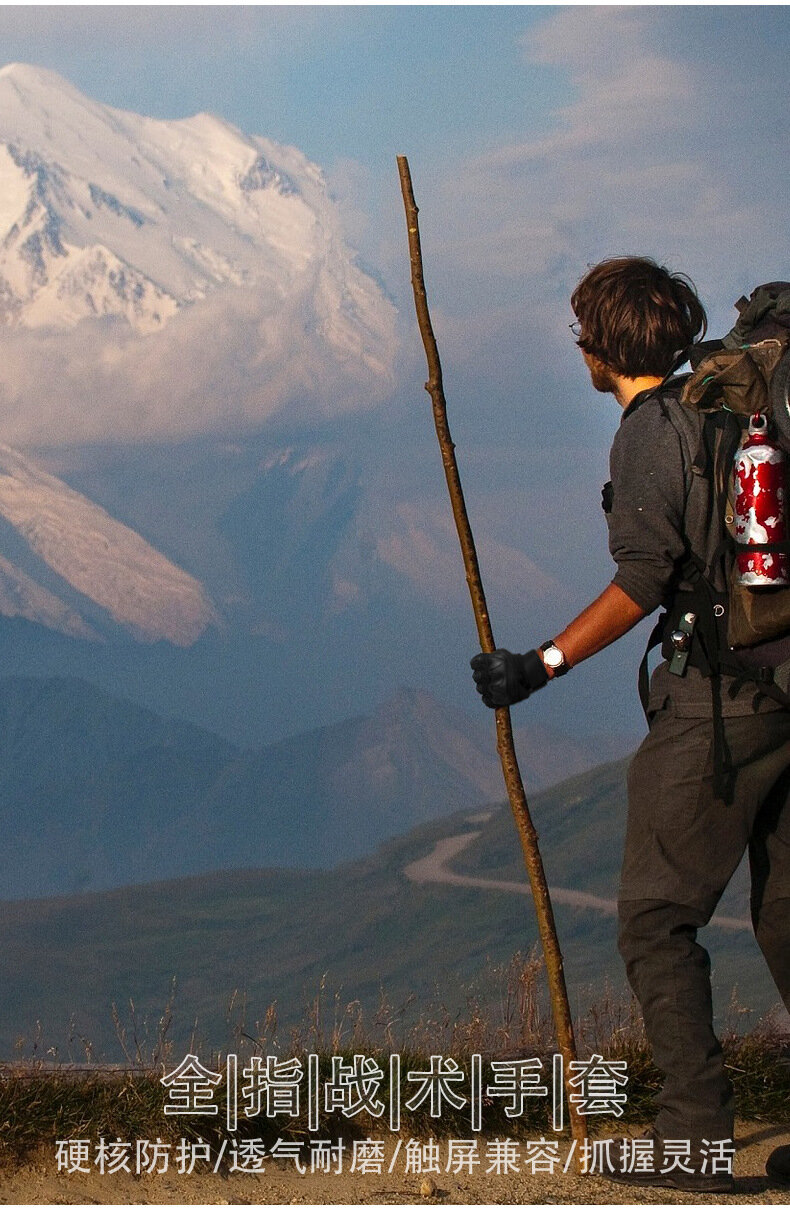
(96, 792)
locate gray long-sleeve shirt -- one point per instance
(655, 516)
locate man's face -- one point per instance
(601, 376)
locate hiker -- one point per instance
(712, 777)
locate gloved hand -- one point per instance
(502, 679)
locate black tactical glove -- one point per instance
(502, 679)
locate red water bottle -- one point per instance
(759, 508)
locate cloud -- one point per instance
(625, 88)
(227, 364)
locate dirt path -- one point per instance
(435, 868)
(39, 1184)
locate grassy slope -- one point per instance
(272, 935)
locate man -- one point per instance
(635, 322)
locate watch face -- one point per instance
(553, 657)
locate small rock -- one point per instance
(428, 1187)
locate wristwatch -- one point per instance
(554, 659)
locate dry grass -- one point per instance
(505, 1016)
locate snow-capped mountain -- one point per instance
(73, 568)
(156, 278)
(108, 213)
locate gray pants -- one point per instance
(682, 847)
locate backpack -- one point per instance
(747, 371)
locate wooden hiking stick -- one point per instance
(507, 753)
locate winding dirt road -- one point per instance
(435, 867)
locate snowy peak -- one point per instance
(39, 93)
(106, 213)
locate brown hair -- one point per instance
(636, 316)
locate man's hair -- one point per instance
(636, 316)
